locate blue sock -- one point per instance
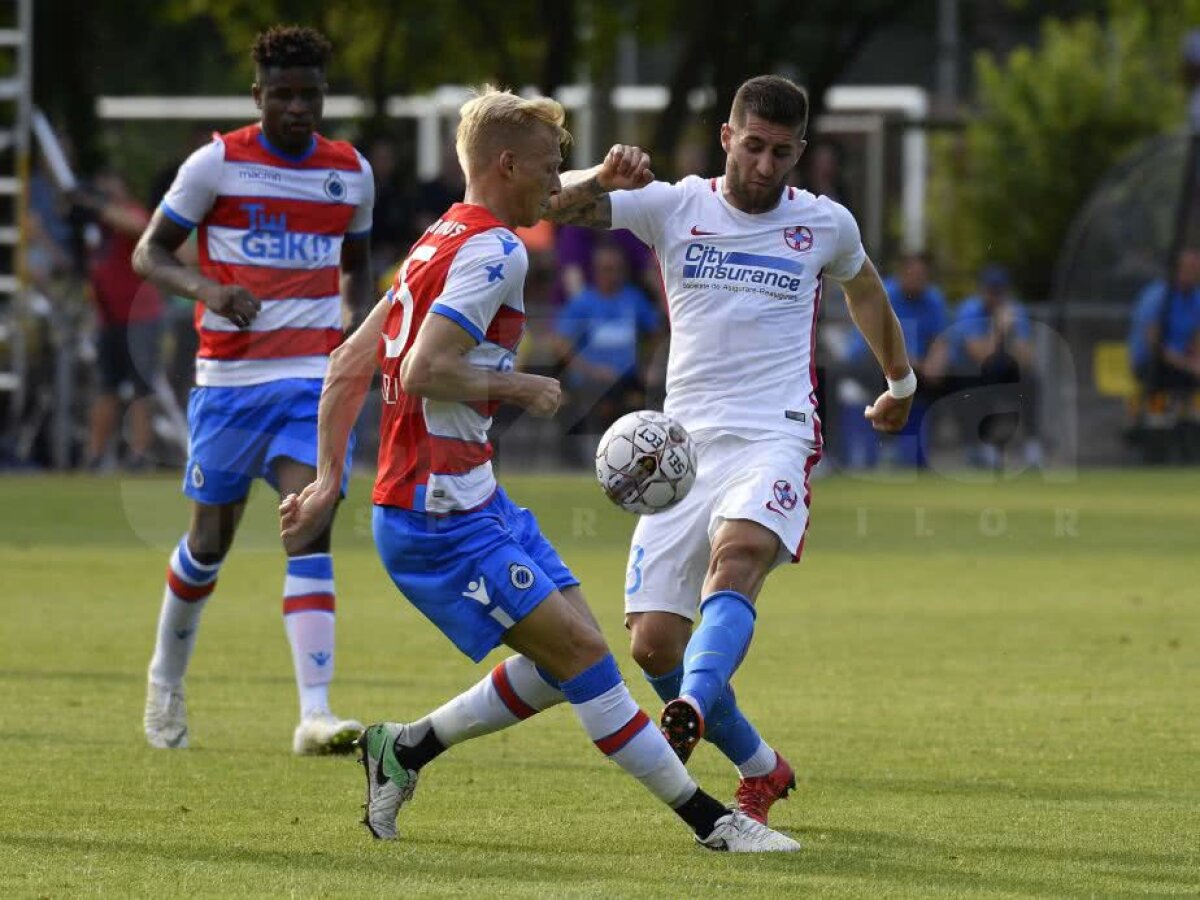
(716, 647)
(725, 727)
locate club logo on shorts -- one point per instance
(785, 495)
(520, 576)
(335, 188)
(799, 238)
(197, 476)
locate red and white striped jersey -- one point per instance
(274, 224)
(434, 456)
(743, 293)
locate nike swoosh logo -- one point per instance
(775, 509)
(691, 661)
(696, 232)
(380, 778)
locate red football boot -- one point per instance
(754, 796)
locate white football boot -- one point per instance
(738, 833)
(165, 719)
(389, 784)
(324, 733)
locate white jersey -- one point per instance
(743, 292)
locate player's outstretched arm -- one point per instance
(872, 312)
(155, 260)
(435, 368)
(583, 199)
(351, 367)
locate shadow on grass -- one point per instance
(972, 787)
(881, 860)
(1145, 866)
(110, 677)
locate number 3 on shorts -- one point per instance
(633, 578)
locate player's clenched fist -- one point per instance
(233, 302)
(625, 168)
(302, 517)
(887, 413)
(540, 395)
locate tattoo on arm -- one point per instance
(581, 202)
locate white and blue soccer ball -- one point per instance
(646, 462)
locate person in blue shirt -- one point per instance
(1164, 339)
(992, 340)
(603, 332)
(921, 309)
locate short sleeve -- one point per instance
(645, 210)
(194, 189)
(360, 223)
(1149, 303)
(486, 270)
(848, 253)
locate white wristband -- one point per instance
(903, 388)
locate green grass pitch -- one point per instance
(986, 689)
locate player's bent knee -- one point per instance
(657, 646)
(654, 657)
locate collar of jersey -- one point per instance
(737, 213)
(288, 157)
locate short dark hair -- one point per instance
(290, 47)
(773, 98)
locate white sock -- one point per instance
(189, 585)
(625, 734)
(308, 617)
(512, 692)
(761, 763)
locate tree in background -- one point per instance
(721, 45)
(1048, 123)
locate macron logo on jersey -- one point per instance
(704, 262)
(269, 239)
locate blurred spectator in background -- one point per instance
(921, 308)
(129, 312)
(438, 194)
(1164, 351)
(392, 229)
(821, 171)
(992, 344)
(1164, 341)
(51, 244)
(575, 248)
(604, 335)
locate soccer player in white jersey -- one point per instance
(284, 221)
(473, 562)
(742, 259)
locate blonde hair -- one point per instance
(494, 117)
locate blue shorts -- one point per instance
(474, 575)
(237, 433)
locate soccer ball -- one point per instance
(646, 462)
